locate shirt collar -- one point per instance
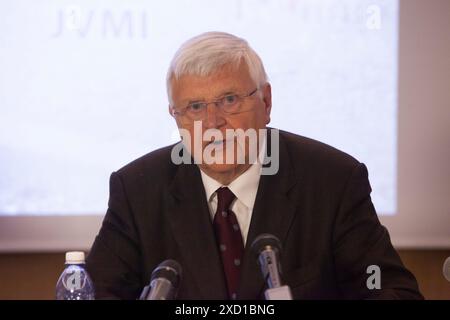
(243, 187)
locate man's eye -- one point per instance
(230, 99)
(195, 106)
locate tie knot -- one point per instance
(224, 198)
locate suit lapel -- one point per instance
(192, 229)
(273, 213)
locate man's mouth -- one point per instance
(217, 142)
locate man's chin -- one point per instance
(217, 168)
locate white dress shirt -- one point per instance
(243, 187)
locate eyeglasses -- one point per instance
(229, 104)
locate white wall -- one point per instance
(423, 218)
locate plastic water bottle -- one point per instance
(75, 283)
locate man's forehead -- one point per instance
(217, 83)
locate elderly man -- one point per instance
(202, 202)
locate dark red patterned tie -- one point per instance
(229, 239)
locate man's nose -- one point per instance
(214, 117)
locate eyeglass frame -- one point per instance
(218, 103)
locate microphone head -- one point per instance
(170, 270)
(266, 241)
(446, 269)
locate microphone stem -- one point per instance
(269, 263)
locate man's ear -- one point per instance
(267, 98)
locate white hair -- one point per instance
(207, 52)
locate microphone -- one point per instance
(267, 248)
(446, 269)
(164, 282)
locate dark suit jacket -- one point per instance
(318, 205)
